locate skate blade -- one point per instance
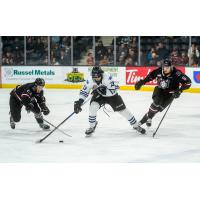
(46, 130)
(88, 135)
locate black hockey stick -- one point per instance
(55, 127)
(162, 118)
(41, 140)
(52, 125)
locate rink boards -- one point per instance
(68, 77)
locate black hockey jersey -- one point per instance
(26, 94)
(176, 80)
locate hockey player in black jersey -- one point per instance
(104, 90)
(171, 83)
(31, 96)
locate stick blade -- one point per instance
(39, 141)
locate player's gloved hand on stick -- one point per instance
(176, 94)
(45, 110)
(101, 90)
(139, 84)
(29, 107)
(77, 106)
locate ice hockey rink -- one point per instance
(177, 140)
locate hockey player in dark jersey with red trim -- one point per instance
(171, 83)
(31, 96)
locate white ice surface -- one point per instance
(178, 139)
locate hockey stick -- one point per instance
(162, 118)
(51, 124)
(41, 140)
(55, 127)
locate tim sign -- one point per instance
(134, 74)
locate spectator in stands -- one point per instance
(110, 56)
(104, 61)
(193, 54)
(56, 50)
(54, 61)
(90, 59)
(29, 46)
(65, 42)
(122, 58)
(45, 62)
(184, 59)
(129, 62)
(175, 58)
(152, 57)
(7, 61)
(126, 40)
(161, 51)
(101, 51)
(132, 55)
(40, 47)
(64, 57)
(134, 44)
(123, 48)
(143, 59)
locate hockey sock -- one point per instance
(94, 107)
(92, 121)
(153, 109)
(127, 114)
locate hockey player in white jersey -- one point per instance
(104, 91)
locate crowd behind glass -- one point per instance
(105, 50)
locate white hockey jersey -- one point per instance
(107, 81)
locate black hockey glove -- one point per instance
(176, 94)
(29, 106)
(101, 90)
(45, 110)
(77, 106)
(139, 84)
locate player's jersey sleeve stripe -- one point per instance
(24, 95)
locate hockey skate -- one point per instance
(90, 130)
(44, 126)
(149, 122)
(138, 128)
(12, 123)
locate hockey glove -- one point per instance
(45, 110)
(77, 106)
(176, 94)
(101, 90)
(139, 84)
(29, 107)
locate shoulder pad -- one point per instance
(178, 73)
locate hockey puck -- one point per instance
(61, 141)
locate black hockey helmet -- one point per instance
(39, 82)
(97, 72)
(167, 63)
